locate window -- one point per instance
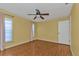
(8, 29)
(33, 29)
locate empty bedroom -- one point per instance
(39, 29)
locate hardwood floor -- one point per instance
(38, 48)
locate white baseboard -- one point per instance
(71, 51)
(16, 44)
(23, 43)
(45, 40)
(50, 41)
(1, 49)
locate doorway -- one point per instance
(64, 32)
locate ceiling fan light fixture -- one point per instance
(40, 14)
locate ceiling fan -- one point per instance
(39, 13)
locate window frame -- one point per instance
(33, 29)
(11, 29)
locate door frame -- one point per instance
(69, 31)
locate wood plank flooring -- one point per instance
(38, 48)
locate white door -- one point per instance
(64, 35)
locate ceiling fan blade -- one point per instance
(37, 11)
(44, 14)
(35, 17)
(41, 17)
(31, 14)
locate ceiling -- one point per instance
(22, 9)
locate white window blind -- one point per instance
(8, 29)
(33, 29)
